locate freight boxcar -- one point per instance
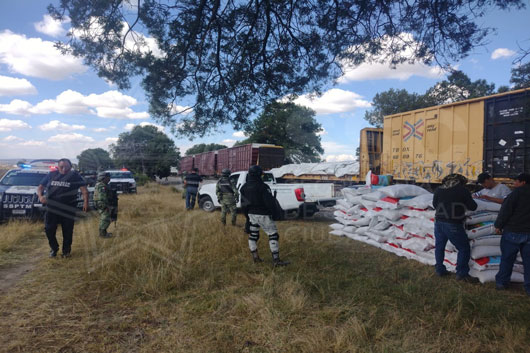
(467, 137)
(370, 149)
(240, 158)
(186, 164)
(206, 162)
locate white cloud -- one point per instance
(11, 86)
(322, 133)
(8, 125)
(340, 157)
(502, 53)
(16, 107)
(59, 126)
(111, 104)
(134, 42)
(333, 101)
(120, 113)
(100, 129)
(228, 142)
(379, 67)
(31, 143)
(335, 152)
(240, 134)
(37, 58)
(71, 138)
(50, 26)
(110, 140)
(129, 127)
(179, 109)
(12, 138)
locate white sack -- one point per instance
(421, 201)
(478, 252)
(403, 190)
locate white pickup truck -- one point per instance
(297, 199)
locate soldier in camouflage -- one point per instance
(102, 195)
(228, 196)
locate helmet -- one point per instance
(226, 172)
(255, 170)
(103, 175)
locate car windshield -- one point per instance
(22, 178)
(121, 175)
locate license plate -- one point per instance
(19, 211)
(119, 192)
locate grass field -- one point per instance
(177, 281)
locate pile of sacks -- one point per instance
(400, 219)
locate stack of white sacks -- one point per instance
(400, 219)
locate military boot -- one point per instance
(256, 257)
(276, 260)
(103, 233)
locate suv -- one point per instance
(18, 193)
(122, 181)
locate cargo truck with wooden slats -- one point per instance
(489, 134)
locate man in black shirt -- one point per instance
(191, 183)
(513, 222)
(259, 203)
(61, 187)
(451, 200)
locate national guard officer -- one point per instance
(102, 201)
(257, 200)
(227, 195)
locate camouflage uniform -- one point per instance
(228, 196)
(102, 195)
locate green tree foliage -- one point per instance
(521, 76)
(291, 126)
(392, 102)
(94, 159)
(204, 147)
(230, 58)
(145, 150)
(503, 89)
(457, 87)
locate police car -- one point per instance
(122, 180)
(18, 191)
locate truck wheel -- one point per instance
(206, 204)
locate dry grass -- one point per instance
(177, 281)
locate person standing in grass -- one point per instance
(258, 201)
(451, 200)
(191, 183)
(102, 201)
(513, 222)
(61, 186)
(227, 195)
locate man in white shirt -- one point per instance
(492, 191)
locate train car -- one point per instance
(206, 162)
(370, 150)
(240, 158)
(186, 164)
(467, 137)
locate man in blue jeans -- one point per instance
(513, 222)
(451, 200)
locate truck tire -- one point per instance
(206, 203)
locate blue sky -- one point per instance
(53, 106)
